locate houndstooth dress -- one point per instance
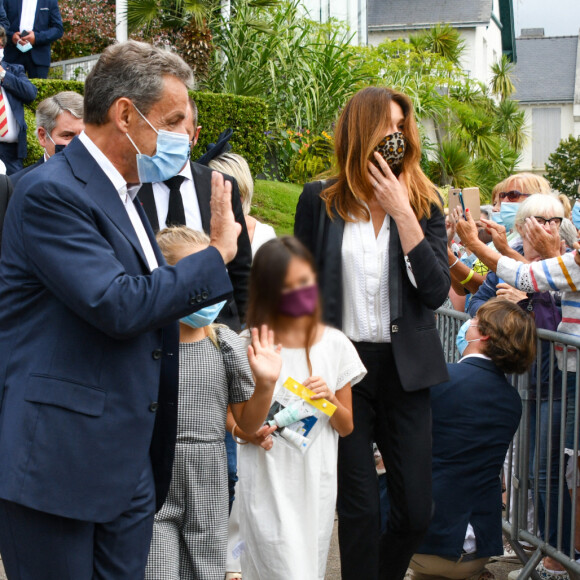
(190, 531)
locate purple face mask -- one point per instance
(299, 302)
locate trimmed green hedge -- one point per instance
(247, 116)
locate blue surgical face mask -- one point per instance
(203, 317)
(508, 213)
(171, 155)
(496, 217)
(461, 341)
(576, 215)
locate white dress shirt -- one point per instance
(189, 196)
(28, 15)
(12, 125)
(366, 311)
(127, 195)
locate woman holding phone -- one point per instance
(378, 234)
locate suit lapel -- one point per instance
(147, 199)
(202, 184)
(395, 282)
(332, 261)
(100, 189)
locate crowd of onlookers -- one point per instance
(526, 255)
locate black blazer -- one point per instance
(239, 267)
(415, 340)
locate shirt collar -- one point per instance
(110, 170)
(186, 171)
(474, 355)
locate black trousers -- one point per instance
(400, 423)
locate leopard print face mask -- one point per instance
(392, 148)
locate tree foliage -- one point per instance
(89, 27)
(563, 167)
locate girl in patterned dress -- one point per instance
(215, 369)
(286, 498)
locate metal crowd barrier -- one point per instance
(521, 530)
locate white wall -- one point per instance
(353, 12)
(567, 128)
(482, 47)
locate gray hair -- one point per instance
(539, 204)
(568, 232)
(236, 166)
(49, 109)
(134, 70)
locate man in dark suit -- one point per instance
(469, 446)
(188, 204)
(34, 26)
(58, 120)
(5, 194)
(89, 332)
(16, 91)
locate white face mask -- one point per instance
(1, 53)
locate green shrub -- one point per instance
(246, 116)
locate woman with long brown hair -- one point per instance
(378, 235)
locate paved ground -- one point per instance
(500, 569)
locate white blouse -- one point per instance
(366, 312)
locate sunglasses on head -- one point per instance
(512, 195)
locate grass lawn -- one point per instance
(274, 203)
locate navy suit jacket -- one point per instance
(47, 28)
(89, 342)
(475, 416)
(4, 22)
(20, 91)
(239, 268)
(413, 328)
(16, 177)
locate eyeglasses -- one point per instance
(513, 194)
(553, 220)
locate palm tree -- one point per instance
(509, 122)
(501, 82)
(443, 39)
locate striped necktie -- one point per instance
(3, 117)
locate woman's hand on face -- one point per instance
(510, 293)
(320, 388)
(263, 437)
(264, 357)
(546, 243)
(390, 191)
(498, 235)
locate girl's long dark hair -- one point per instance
(267, 277)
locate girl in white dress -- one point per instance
(286, 498)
